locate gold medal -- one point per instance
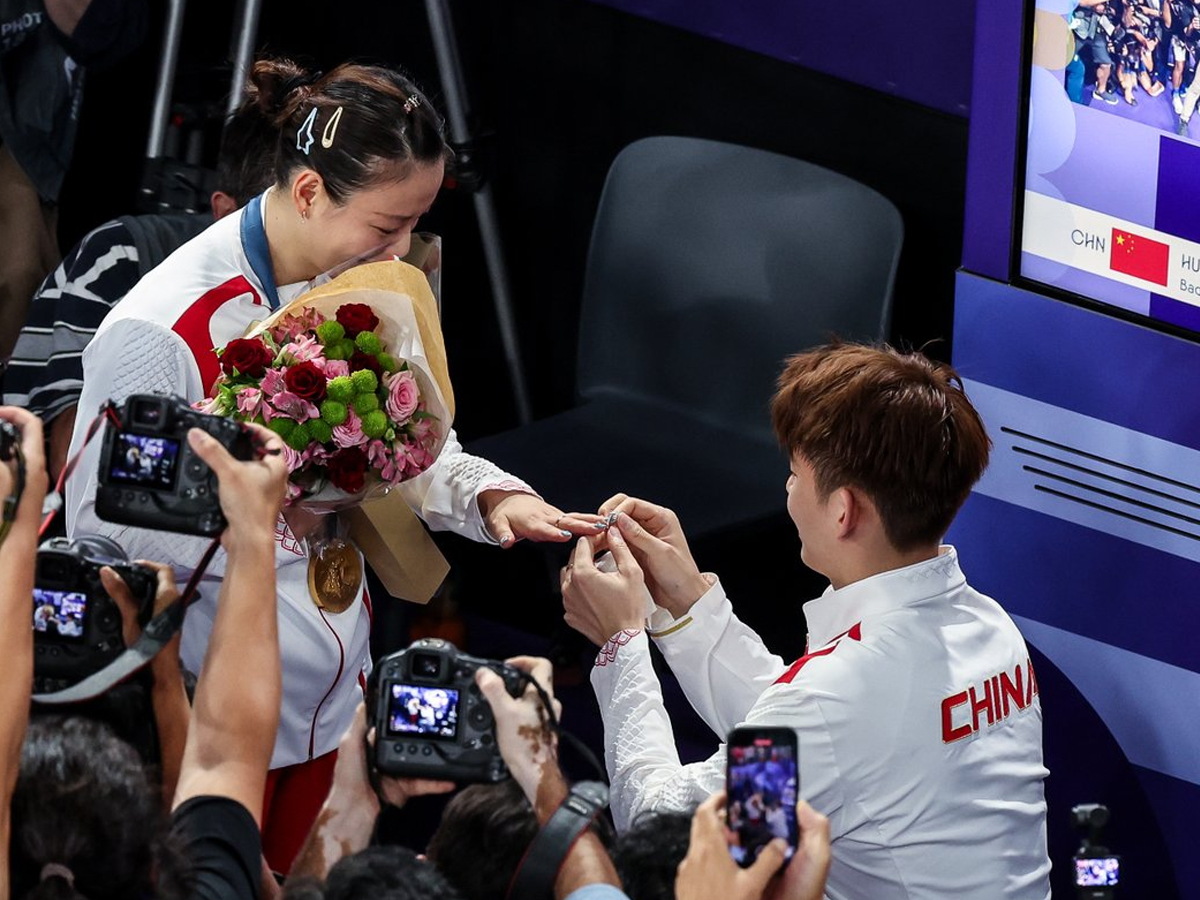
(334, 575)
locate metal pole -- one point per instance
(166, 79)
(247, 34)
(450, 71)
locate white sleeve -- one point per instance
(721, 664)
(131, 356)
(446, 495)
(639, 744)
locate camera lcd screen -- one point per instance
(144, 461)
(417, 709)
(1097, 871)
(762, 798)
(59, 613)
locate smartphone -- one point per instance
(761, 781)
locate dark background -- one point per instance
(558, 87)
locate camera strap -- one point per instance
(157, 634)
(538, 870)
(54, 499)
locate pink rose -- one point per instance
(403, 397)
(294, 406)
(248, 401)
(349, 433)
(304, 348)
(333, 367)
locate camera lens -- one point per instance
(426, 665)
(148, 413)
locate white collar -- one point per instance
(836, 611)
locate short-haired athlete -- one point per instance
(915, 705)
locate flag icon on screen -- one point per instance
(1139, 256)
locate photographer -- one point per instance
(1091, 26)
(529, 748)
(22, 489)
(84, 808)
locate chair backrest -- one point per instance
(710, 263)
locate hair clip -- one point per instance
(304, 134)
(411, 103)
(331, 128)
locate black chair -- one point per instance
(709, 264)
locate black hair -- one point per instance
(647, 856)
(484, 833)
(482, 838)
(355, 126)
(84, 801)
(246, 158)
(376, 873)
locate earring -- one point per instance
(304, 214)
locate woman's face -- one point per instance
(378, 220)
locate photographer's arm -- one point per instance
(18, 554)
(236, 710)
(529, 748)
(347, 818)
(168, 697)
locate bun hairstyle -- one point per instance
(355, 126)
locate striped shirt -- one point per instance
(45, 374)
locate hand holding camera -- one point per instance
(22, 476)
(431, 717)
(152, 474)
(527, 740)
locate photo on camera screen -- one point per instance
(1097, 871)
(761, 800)
(59, 613)
(416, 709)
(144, 461)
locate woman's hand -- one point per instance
(511, 516)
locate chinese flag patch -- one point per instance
(1139, 256)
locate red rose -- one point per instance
(248, 355)
(359, 360)
(306, 381)
(356, 317)
(347, 469)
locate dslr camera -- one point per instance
(150, 476)
(76, 625)
(431, 720)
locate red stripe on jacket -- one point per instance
(193, 325)
(854, 634)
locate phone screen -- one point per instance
(761, 783)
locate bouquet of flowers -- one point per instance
(357, 418)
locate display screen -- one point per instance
(761, 800)
(417, 709)
(1112, 163)
(144, 461)
(59, 613)
(1097, 871)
